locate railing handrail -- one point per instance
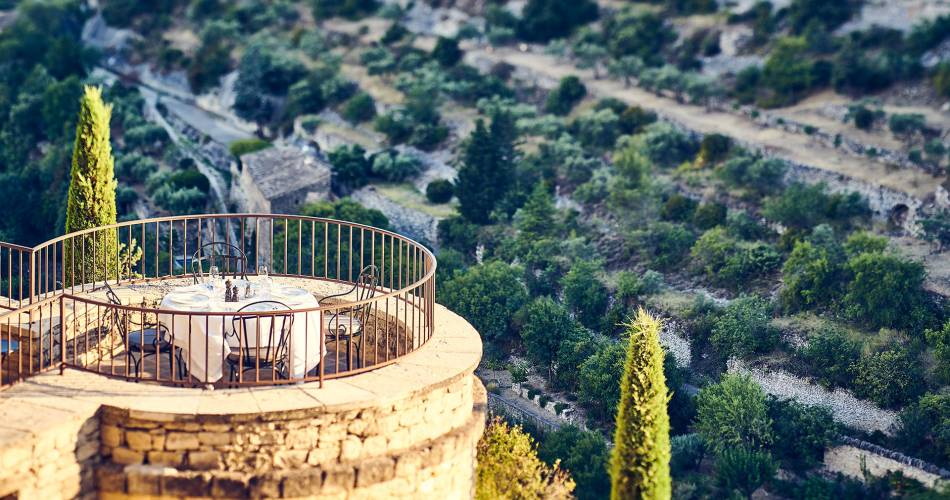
(410, 289)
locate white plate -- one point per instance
(292, 292)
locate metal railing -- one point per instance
(59, 310)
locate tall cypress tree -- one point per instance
(91, 199)
(474, 188)
(487, 169)
(640, 461)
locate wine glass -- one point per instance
(214, 274)
(265, 278)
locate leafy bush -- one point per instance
(802, 433)
(135, 167)
(359, 108)
(440, 191)
(744, 328)
(939, 341)
(891, 377)
(633, 32)
(598, 387)
(395, 167)
(542, 20)
(634, 119)
(709, 215)
(148, 138)
(664, 244)
(905, 124)
(687, 452)
(597, 129)
(830, 355)
(584, 455)
(447, 51)
(714, 148)
(351, 167)
(568, 93)
(805, 206)
(544, 324)
(863, 117)
(242, 147)
(678, 208)
(488, 296)
(350, 9)
(667, 146)
(585, 294)
(925, 428)
(744, 470)
(759, 175)
(733, 414)
(508, 465)
(886, 290)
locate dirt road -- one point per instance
(796, 148)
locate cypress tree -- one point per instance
(640, 461)
(91, 198)
(487, 169)
(474, 189)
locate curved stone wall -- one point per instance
(407, 430)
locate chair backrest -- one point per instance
(264, 337)
(366, 287)
(232, 260)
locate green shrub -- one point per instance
(678, 208)
(802, 433)
(634, 119)
(890, 378)
(886, 290)
(242, 147)
(447, 52)
(542, 20)
(640, 461)
(863, 118)
(733, 414)
(906, 123)
(714, 148)
(488, 296)
(395, 167)
(359, 108)
(830, 355)
(440, 191)
(544, 324)
(709, 215)
(585, 294)
(925, 428)
(744, 470)
(568, 93)
(351, 167)
(508, 465)
(744, 328)
(584, 455)
(598, 387)
(310, 124)
(687, 452)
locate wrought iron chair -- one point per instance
(347, 323)
(145, 339)
(234, 260)
(261, 348)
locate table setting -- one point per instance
(212, 336)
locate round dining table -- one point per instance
(207, 339)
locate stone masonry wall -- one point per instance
(421, 447)
(55, 460)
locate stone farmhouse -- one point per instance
(279, 179)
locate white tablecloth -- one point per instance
(208, 332)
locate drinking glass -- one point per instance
(214, 274)
(265, 278)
